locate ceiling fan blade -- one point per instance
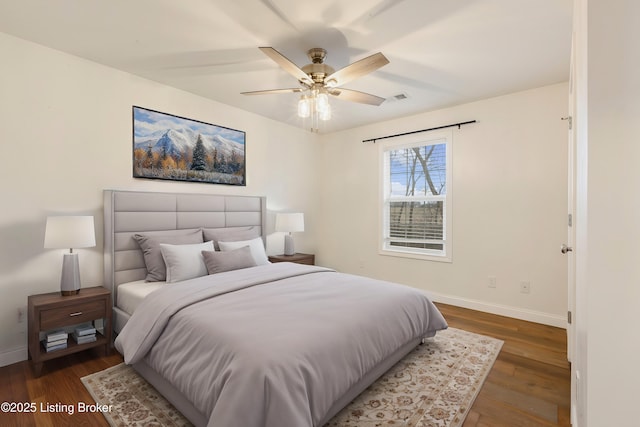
(272, 91)
(287, 65)
(356, 96)
(357, 69)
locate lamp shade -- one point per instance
(69, 232)
(290, 222)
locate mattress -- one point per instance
(131, 294)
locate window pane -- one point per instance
(416, 223)
(418, 171)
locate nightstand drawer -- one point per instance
(72, 314)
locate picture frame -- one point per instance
(170, 147)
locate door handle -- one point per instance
(564, 249)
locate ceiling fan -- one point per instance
(320, 79)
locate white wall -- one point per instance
(509, 205)
(608, 253)
(66, 135)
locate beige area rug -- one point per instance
(433, 386)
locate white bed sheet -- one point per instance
(131, 294)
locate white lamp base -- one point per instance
(288, 245)
(70, 280)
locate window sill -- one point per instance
(411, 255)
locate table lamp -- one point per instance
(289, 223)
(69, 232)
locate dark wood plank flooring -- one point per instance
(529, 384)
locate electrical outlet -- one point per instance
(525, 287)
(492, 281)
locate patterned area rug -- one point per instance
(433, 386)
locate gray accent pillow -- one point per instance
(229, 234)
(218, 262)
(150, 244)
(256, 245)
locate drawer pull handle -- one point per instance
(77, 313)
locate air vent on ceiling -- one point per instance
(399, 97)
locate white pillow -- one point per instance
(184, 261)
(256, 246)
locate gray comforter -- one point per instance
(274, 345)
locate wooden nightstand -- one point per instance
(52, 311)
(297, 258)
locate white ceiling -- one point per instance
(441, 52)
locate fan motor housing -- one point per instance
(318, 72)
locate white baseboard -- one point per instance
(502, 310)
(12, 356)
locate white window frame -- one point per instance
(444, 255)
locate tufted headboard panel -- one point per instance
(130, 212)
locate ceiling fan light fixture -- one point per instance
(322, 102)
(319, 80)
(304, 106)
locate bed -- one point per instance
(259, 344)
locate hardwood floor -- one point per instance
(59, 384)
(529, 384)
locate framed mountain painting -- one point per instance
(180, 149)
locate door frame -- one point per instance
(571, 210)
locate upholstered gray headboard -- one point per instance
(130, 212)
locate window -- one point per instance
(416, 198)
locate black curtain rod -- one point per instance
(418, 131)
